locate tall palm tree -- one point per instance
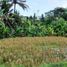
(11, 3)
(21, 3)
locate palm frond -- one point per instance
(24, 6)
(21, 1)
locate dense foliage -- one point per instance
(54, 23)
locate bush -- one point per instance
(60, 27)
(4, 31)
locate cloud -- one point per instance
(64, 4)
(58, 3)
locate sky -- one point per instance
(41, 6)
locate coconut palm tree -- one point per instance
(11, 3)
(21, 3)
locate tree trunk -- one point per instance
(14, 8)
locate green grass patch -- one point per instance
(12, 65)
(64, 64)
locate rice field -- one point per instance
(33, 51)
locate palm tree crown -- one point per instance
(11, 3)
(21, 3)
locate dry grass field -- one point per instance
(33, 51)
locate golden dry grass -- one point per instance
(32, 51)
(34, 40)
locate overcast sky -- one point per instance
(41, 6)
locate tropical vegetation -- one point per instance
(54, 23)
